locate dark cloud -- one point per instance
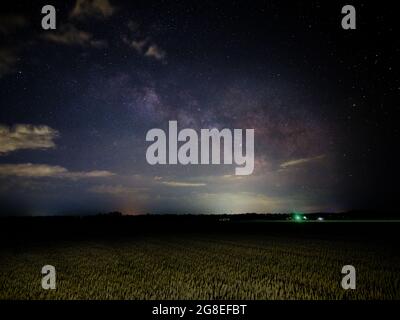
(70, 35)
(11, 23)
(92, 8)
(8, 60)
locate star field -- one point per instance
(76, 103)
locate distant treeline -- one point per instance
(349, 215)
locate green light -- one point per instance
(297, 217)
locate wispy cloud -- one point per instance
(30, 170)
(26, 136)
(115, 189)
(70, 35)
(138, 45)
(155, 52)
(183, 184)
(301, 161)
(144, 45)
(147, 49)
(92, 8)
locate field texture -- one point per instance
(200, 266)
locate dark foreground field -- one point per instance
(197, 258)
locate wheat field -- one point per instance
(199, 267)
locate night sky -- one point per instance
(77, 102)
